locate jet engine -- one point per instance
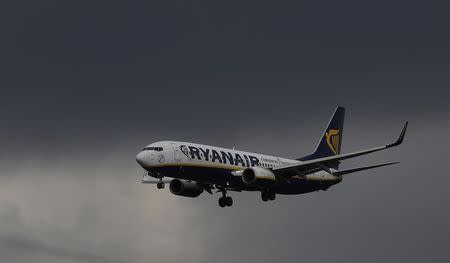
(185, 188)
(257, 175)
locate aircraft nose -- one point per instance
(140, 158)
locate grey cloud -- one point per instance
(23, 246)
(92, 209)
(90, 214)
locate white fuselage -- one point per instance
(215, 165)
(169, 153)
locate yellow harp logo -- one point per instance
(332, 138)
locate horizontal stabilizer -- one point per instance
(354, 170)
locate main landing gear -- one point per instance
(267, 195)
(225, 200)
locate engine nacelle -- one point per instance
(185, 188)
(257, 174)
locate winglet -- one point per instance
(400, 138)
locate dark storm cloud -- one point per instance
(86, 85)
(154, 60)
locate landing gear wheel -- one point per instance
(228, 201)
(272, 196)
(264, 196)
(222, 202)
(160, 185)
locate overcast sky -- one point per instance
(84, 86)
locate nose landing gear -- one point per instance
(151, 178)
(160, 184)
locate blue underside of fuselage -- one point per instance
(220, 176)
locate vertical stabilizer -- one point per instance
(331, 140)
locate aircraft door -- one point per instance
(177, 153)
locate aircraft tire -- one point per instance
(222, 202)
(264, 196)
(272, 196)
(228, 201)
(160, 185)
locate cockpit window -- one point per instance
(158, 149)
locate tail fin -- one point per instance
(331, 140)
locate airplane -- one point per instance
(196, 168)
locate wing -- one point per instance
(311, 166)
